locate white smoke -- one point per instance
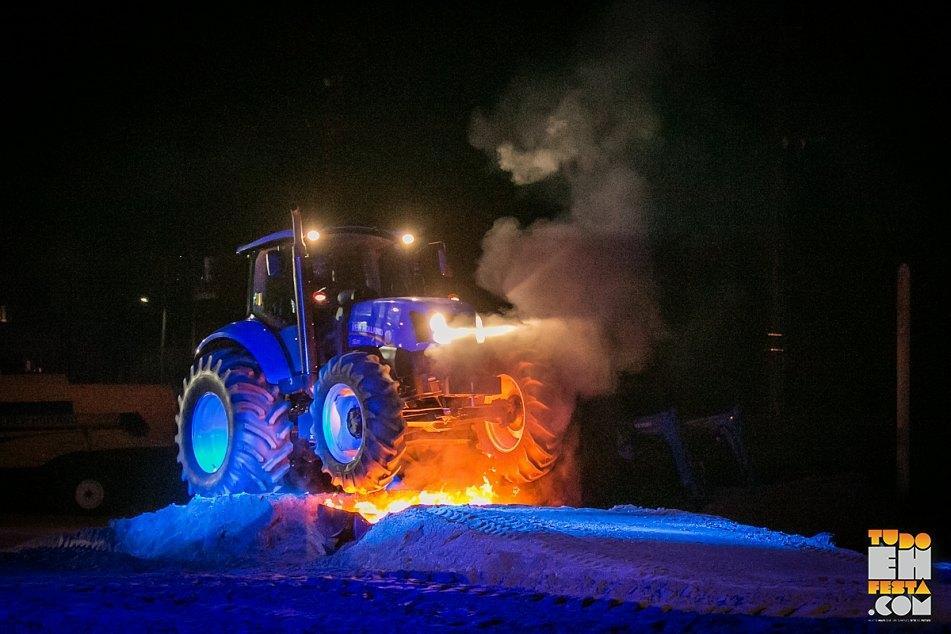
(580, 284)
(583, 281)
(584, 296)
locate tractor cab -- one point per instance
(364, 263)
(355, 263)
(343, 271)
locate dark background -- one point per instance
(139, 140)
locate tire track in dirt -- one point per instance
(615, 567)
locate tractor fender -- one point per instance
(259, 341)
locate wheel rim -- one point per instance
(209, 431)
(89, 494)
(342, 423)
(506, 436)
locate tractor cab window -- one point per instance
(272, 287)
(366, 264)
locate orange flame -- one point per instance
(376, 506)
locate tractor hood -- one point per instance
(403, 322)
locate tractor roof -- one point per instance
(286, 235)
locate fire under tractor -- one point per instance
(330, 368)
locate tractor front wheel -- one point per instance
(524, 444)
(234, 435)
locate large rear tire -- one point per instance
(358, 425)
(526, 445)
(234, 435)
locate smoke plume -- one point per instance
(581, 281)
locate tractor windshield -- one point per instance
(369, 265)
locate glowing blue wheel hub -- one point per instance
(210, 432)
(342, 423)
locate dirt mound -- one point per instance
(657, 557)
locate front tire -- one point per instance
(234, 435)
(526, 446)
(358, 425)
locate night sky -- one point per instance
(137, 137)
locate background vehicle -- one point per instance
(330, 365)
(84, 448)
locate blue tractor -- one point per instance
(330, 368)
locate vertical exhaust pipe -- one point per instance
(305, 337)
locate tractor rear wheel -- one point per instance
(234, 435)
(358, 425)
(524, 445)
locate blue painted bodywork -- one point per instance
(373, 323)
(389, 322)
(288, 336)
(260, 341)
